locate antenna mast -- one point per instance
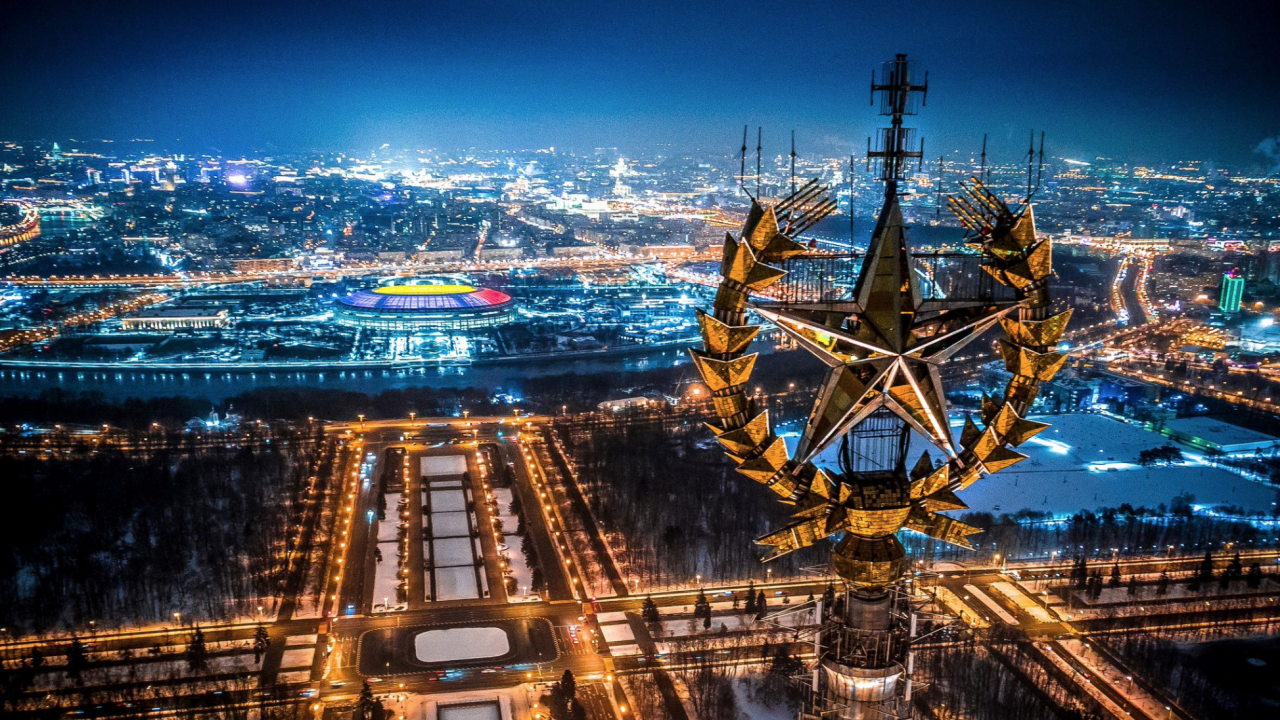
(982, 164)
(897, 100)
(742, 172)
(937, 202)
(793, 161)
(1040, 167)
(1031, 161)
(851, 201)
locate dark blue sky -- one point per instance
(1135, 79)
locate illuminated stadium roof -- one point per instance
(413, 298)
(424, 304)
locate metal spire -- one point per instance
(759, 147)
(897, 92)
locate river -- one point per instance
(219, 385)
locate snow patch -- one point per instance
(385, 578)
(471, 711)
(449, 524)
(447, 501)
(450, 552)
(456, 583)
(452, 644)
(618, 633)
(387, 528)
(436, 465)
(298, 658)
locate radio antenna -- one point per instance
(937, 203)
(851, 202)
(982, 164)
(1031, 161)
(1040, 167)
(897, 89)
(759, 146)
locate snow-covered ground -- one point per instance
(1177, 590)
(1086, 683)
(502, 498)
(452, 644)
(450, 524)
(1087, 461)
(146, 671)
(387, 528)
(444, 484)
(618, 633)
(471, 711)
(975, 592)
(519, 569)
(456, 583)
(624, 649)
(298, 657)
(1118, 681)
(731, 622)
(447, 501)
(449, 552)
(1024, 603)
(756, 711)
(435, 465)
(509, 704)
(385, 579)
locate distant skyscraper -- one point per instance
(1232, 293)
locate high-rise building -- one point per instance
(1232, 293)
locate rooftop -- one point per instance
(1218, 431)
(178, 312)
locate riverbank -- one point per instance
(324, 366)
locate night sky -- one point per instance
(1137, 80)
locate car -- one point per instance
(337, 684)
(373, 680)
(308, 692)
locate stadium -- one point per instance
(424, 304)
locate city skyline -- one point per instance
(421, 361)
(1143, 82)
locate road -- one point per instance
(380, 647)
(1048, 634)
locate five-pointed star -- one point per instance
(888, 351)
